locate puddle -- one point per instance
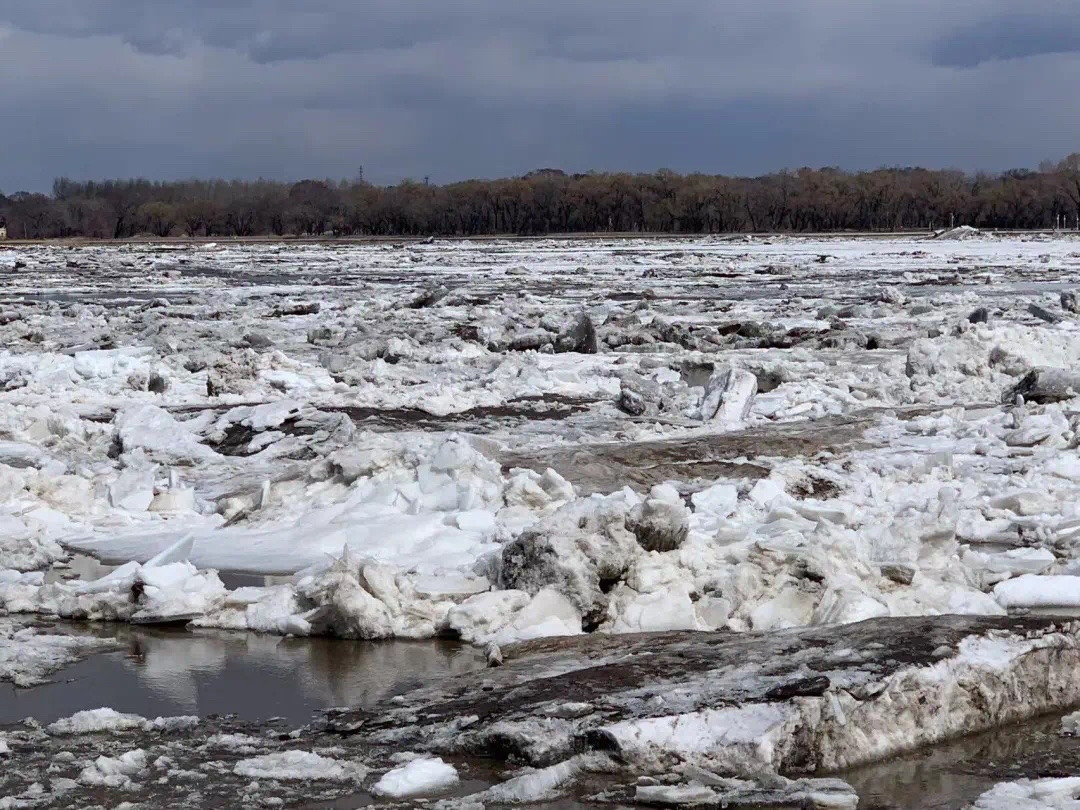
(80, 566)
(951, 776)
(166, 673)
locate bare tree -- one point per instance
(158, 217)
(548, 201)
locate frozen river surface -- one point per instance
(477, 444)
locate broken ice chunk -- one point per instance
(1035, 591)
(421, 776)
(729, 396)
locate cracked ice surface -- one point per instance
(613, 436)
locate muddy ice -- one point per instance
(503, 442)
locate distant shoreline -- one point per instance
(593, 236)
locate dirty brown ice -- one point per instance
(722, 719)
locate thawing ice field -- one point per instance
(503, 441)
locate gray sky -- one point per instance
(290, 89)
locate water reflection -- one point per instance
(161, 672)
(81, 567)
(951, 776)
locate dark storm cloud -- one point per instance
(290, 89)
(1011, 36)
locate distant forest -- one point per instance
(549, 201)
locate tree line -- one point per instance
(550, 201)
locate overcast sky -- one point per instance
(452, 89)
